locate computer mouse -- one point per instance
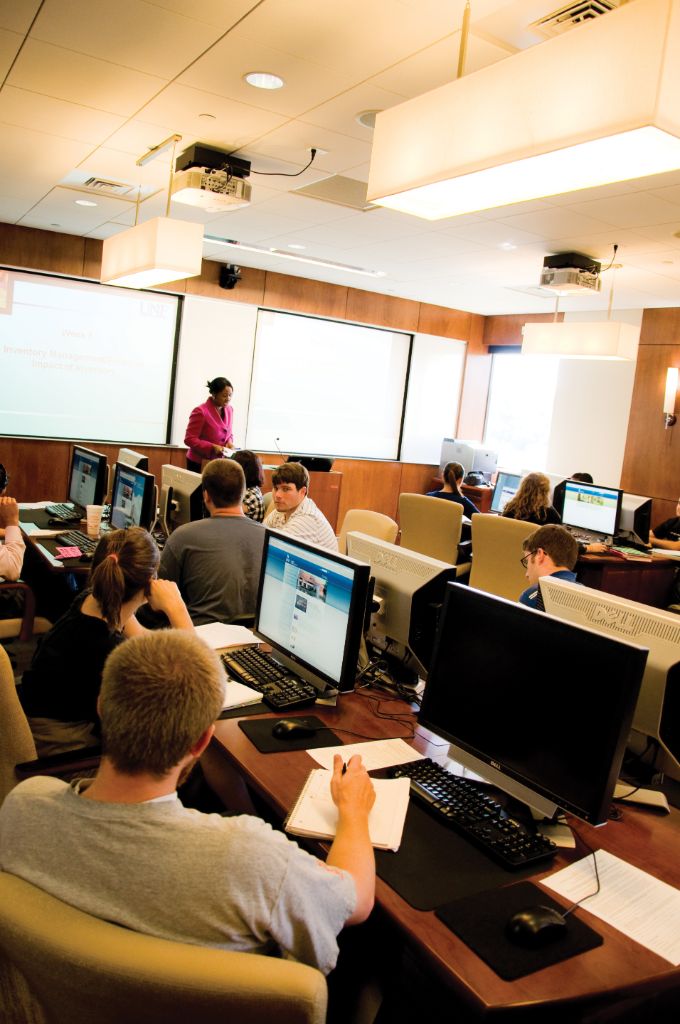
(292, 729)
(535, 927)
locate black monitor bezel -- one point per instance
(518, 616)
(147, 513)
(100, 481)
(501, 473)
(559, 497)
(355, 629)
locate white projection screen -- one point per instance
(325, 387)
(84, 360)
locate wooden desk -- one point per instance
(647, 582)
(38, 545)
(617, 969)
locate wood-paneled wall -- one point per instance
(651, 464)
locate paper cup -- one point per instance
(93, 516)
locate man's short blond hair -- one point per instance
(159, 694)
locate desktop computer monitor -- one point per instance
(409, 588)
(636, 518)
(484, 462)
(87, 482)
(588, 507)
(657, 713)
(538, 707)
(132, 458)
(455, 451)
(132, 498)
(505, 489)
(181, 499)
(310, 607)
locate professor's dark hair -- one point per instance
(251, 465)
(124, 563)
(218, 384)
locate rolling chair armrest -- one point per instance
(28, 616)
(57, 764)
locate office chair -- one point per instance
(82, 969)
(268, 499)
(26, 625)
(375, 524)
(432, 526)
(17, 750)
(496, 555)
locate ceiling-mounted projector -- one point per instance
(211, 179)
(570, 272)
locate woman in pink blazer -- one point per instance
(209, 431)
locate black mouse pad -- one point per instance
(260, 733)
(480, 922)
(435, 865)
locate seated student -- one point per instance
(453, 476)
(12, 545)
(296, 514)
(584, 478)
(253, 502)
(216, 562)
(550, 551)
(531, 503)
(227, 882)
(59, 691)
(667, 534)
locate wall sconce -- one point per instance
(669, 396)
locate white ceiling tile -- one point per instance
(553, 222)
(307, 82)
(31, 160)
(302, 209)
(436, 65)
(630, 211)
(54, 71)
(41, 113)
(9, 47)
(340, 113)
(293, 141)
(135, 34)
(13, 209)
(17, 15)
(220, 13)
(494, 235)
(234, 126)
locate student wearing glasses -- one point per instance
(550, 551)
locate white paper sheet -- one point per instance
(31, 530)
(635, 902)
(32, 506)
(374, 754)
(218, 635)
(238, 695)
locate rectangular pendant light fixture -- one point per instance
(595, 105)
(604, 339)
(154, 252)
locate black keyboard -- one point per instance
(69, 513)
(467, 807)
(280, 689)
(77, 539)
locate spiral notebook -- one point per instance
(315, 815)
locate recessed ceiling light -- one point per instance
(84, 202)
(263, 80)
(366, 118)
(507, 246)
(295, 245)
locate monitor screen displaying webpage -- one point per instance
(591, 507)
(131, 498)
(311, 606)
(88, 477)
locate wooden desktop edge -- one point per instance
(618, 969)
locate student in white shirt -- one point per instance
(296, 514)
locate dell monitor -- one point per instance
(181, 499)
(87, 483)
(132, 458)
(310, 608)
(505, 489)
(657, 713)
(588, 507)
(132, 498)
(409, 589)
(636, 519)
(547, 717)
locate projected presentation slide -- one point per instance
(592, 508)
(305, 606)
(84, 360)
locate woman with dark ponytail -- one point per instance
(59, 692)
(210, 429)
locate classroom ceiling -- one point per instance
(88, 86)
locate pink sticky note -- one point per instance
(69, 552)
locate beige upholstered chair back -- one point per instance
(16, 741)
(268, 499)
(431, 526)
(364, 520)
(496, 555)
(86, 971)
